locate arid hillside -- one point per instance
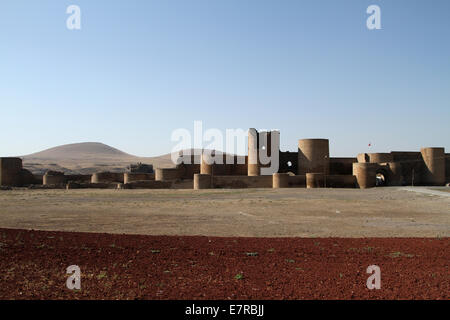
(86, 158)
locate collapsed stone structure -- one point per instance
(59, 179)
(12, 173)
(141, 168)
(310, 166)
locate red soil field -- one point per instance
(33, 266)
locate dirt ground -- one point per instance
(175, 267)
(378, 212)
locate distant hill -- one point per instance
(87, 158)
(85, 150)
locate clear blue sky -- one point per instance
(137, 70)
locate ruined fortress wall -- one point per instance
(54, 178)
(13, 174)
(404, 156)
(239, 169)
(215, 165)
(104, 177)
(342, 166)
(222, 169)
(288, 162)
(379, 157)
(10, 171)
(362, 157)
(202, 181)
(233, 182)
(84, 178)
(395, 174)
(412, 166)
(58, 178)
(131, 177)
(38, 179)
(288, 180)
(447, 167)
(182, 184)
(365, 174)
(340, 181)
(148, 184)
(188, 168)
(253, 163)
(26, 178)
(206, 167)
(313, 156)
(167, 174)
(235, 168)
(298, 181)
(315, 180)
(187, 171)
(189, 159)
(280, 180)
(434, 169)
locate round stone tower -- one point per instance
(313, 156)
